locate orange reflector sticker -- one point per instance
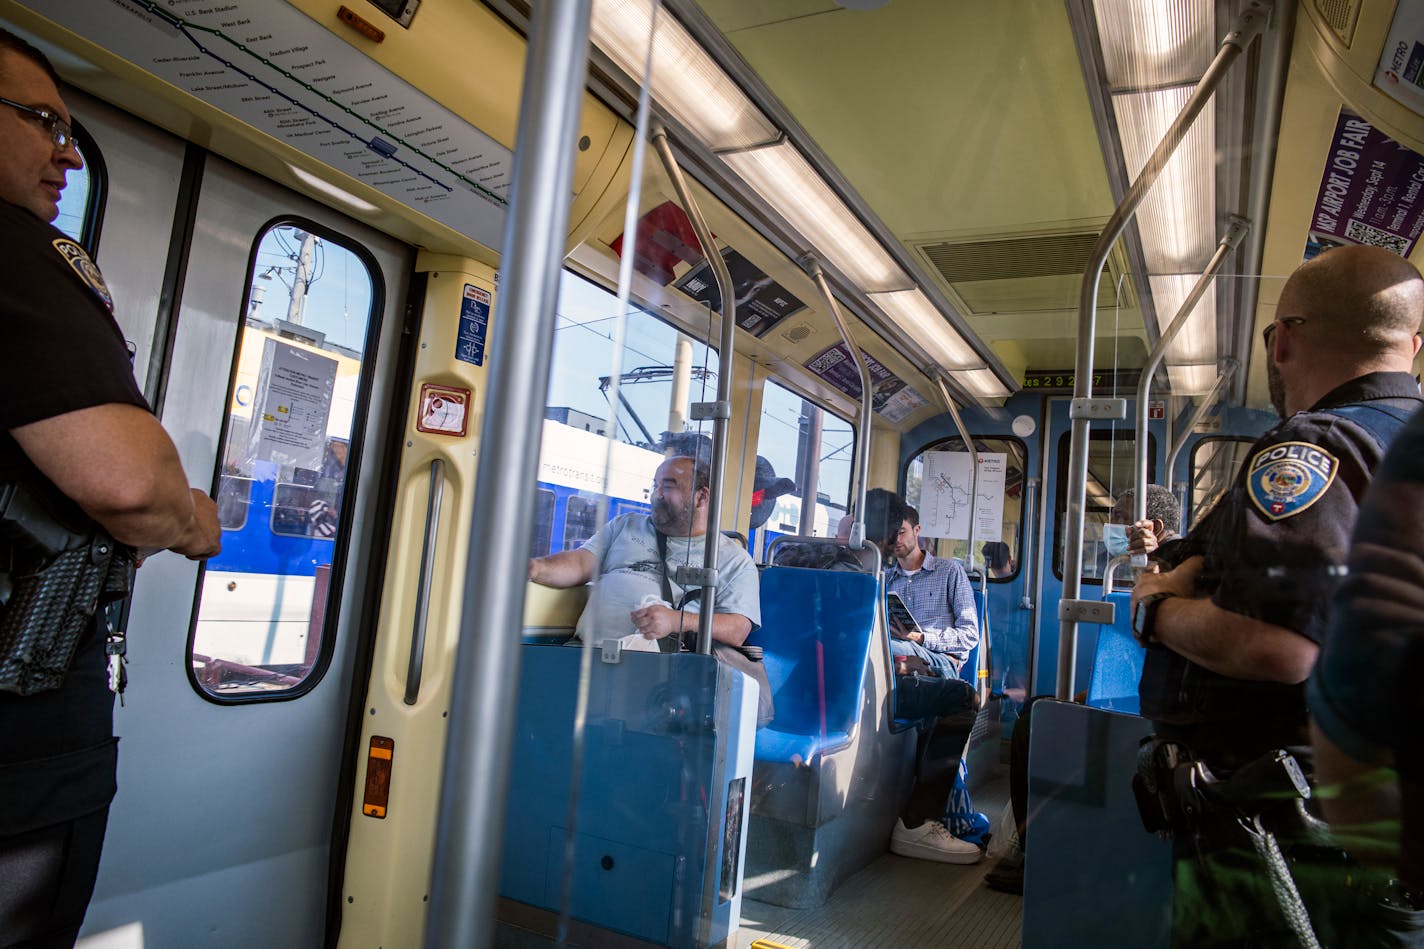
(360, 24)
(378, 776)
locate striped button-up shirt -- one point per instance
(941, 598)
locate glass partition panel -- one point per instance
(589, 474)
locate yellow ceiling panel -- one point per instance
(942, 115)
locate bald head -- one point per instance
(1351, 311)
(1366, 300)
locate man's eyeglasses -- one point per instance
(60, 131)
(1269, 333)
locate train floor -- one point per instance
(897, 902)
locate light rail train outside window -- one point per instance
(950, 502)
(297, 387)
(577, 464)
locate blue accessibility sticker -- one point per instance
(1286, 479)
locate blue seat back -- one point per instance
(1117, 661)
(968, 671)
(816, 631)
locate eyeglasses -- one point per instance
(60, 131)
(1269, 333)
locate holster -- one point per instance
(54, 573)
(1175, 790)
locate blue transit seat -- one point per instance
(1117, 661)
(969, 670)
(816, 631)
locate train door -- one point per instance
(266, 326)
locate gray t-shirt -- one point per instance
(627, 552)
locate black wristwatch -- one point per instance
(1145, 614)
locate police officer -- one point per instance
(1233, 631)
(71, 419)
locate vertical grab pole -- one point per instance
(1228, 369)
(1235, 231)
(722, 409)
(861, 484)
(981, 674)
(1246, 28)
(469, 835)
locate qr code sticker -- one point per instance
(1362, 232)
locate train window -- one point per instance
(265, 601)
(234, 499)
(544, 502)
(81, 201)
(804, 444)
(580, 521)
(1110, 463)
(663, 370)
(944, 516)
(1216, 460)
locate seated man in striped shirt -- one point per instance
(938, 594)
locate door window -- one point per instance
(81, 203)
(939, 489)
(1110, 473)
(297, 390)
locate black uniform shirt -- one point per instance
(1274, 551)
(1367, 690)
(60, 351)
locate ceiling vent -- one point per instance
(1022, 274)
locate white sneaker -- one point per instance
(932, 841)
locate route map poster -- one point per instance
(946, 495)
(892, 398)
(273, 67)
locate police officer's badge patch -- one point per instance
(77, 259)
(1286, 479)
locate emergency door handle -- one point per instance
(427, 569)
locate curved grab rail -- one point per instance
(861, 484)
(981, 674)
(1110, 572)
(722, 410)
(415, 669)
(1228, 368)
(1235, 232)
(1243, 32)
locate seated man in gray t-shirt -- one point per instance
(627, 602)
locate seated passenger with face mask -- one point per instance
(1121, 535)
